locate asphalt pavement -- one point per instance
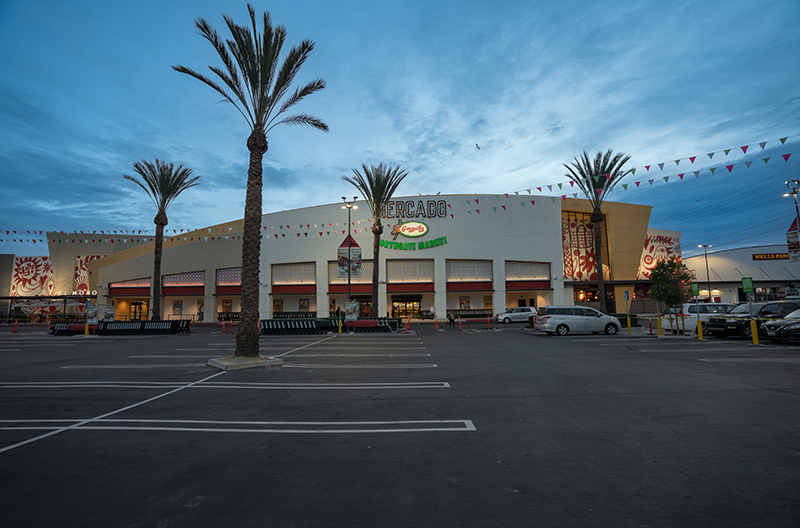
(436, 428)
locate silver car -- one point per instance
(562, 320)
(515, 314)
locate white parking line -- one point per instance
(757, 359)
(212, 426)
(172, 365)
(358, 355)
(106, 415)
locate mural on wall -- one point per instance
(577, 235)
(657, 247)
(33, 276)
(82, 270)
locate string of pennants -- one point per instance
(118, 235)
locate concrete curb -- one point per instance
(240, 363)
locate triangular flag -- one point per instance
(666, 180)
(783, 140)
(624, 186)
(696, 174)
(748, 163)
(648, 170)
(637, 184)
(762, 145)
(713, 169)
(533, 202)
(571, 183)
(553, 199)
(711, 155)
(677, 162)
(633, 171)
(729, 167)
(651, 182)
(744, 149)
(476, 201)
(786, 157)
(766, 160)
(550, 188)
(564, 199)
(495, 210)
(559, 186)
(727, 151)
(679, 176)
(693, 158)
(504, 208)
(660, 166)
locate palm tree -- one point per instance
(377, 185)
(162, 182)
(257, 86)
(596, 178)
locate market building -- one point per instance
(475, 254)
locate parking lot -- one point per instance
(442, 427)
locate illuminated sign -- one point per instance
(770, 256)
(413, 246)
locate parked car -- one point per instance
(693, 311)
(515, 314)
(738, 321)
(786, 329)
(562, 320)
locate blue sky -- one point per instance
(87, 89)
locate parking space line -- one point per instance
(173, 365)
(213, 426)
(757, 359)
(106, 415)
(306, 346)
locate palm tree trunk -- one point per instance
(598, 259)
(247, 336)
(377, 230)
(155, 301)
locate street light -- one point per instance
(794, 186)
(349, 205)
(708, 277)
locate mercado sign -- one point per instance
(416, 209)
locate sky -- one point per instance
(87, 89)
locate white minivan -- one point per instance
(562, 320)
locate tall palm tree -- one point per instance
(162, 182)
(596, 178)
(258, 87)
(377, 185)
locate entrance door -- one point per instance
(405, 308)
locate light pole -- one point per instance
(708, 277)
(794, 186)
(349, 205)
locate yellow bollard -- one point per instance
(629, 325)
(699, 330)
(658, 321)
(754, 331)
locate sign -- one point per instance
(351, 311)
(793, 242)
(412, 229)
(770, 256)
(349, 257)
(695, 289)
(627, 294)
(747, 284)
(781, 295)
(416, 209)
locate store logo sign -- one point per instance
(411, 229)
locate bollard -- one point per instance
(658, 325)
(754, 331)
(435, 322)
(459, 322)
(488, 323)
(699, 330)
(651, 327)
(15, 327)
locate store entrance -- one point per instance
(406, 305)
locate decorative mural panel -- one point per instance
(82, 271)
(365, 278)
(33, 276)
(409, 270)
(580, 263)
(229, 277)
(469, 270)
(527, 271)
(657, 247)
(193, 278)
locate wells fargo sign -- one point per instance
(770, 256)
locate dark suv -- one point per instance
(738, 321)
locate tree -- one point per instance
(377, 185)
(669, 284)
(162, 182)
(596, 178)
(259, 89)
